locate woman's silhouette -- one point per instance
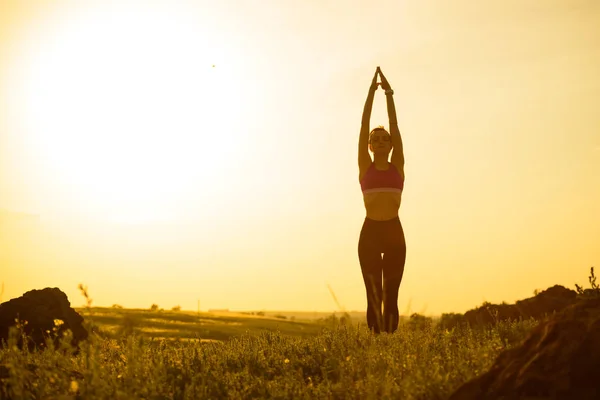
(381, 247)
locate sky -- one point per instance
(193, 151)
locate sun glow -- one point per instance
(122, 106)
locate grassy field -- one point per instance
(192, 325)
(181, 355)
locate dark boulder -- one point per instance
(560, 359)
(41, 308)
(551, 300)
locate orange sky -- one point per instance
(160, 179)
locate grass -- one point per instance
(333, 361)
(115, 323)
(141, 354)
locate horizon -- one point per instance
(405, 309)
(217, 162)
(404, 313)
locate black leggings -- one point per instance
(382, 275)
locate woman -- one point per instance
(382, 183)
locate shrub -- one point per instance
(593, 291)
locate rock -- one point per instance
(551, 300)
(40, 308)
(560, 359)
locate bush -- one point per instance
(451, 320)
(420, 322)
(593, 291)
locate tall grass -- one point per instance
(421, 360)
(343, 361)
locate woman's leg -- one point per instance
(393, 270)
(369, 255)
(374, 289)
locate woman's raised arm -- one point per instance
(397, 148)
(364, 158)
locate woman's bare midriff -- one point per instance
(382, 206)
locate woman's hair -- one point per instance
(379, 128)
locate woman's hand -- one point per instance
(385, 85)
(374, 82)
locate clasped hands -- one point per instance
(385, 85)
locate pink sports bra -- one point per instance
(376, 180)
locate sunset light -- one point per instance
(129, 109)
(299, 199)
(204, 153)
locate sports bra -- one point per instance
(376, 180)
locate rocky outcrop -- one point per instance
(42, 309)
(551, 300)
(560, 359)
